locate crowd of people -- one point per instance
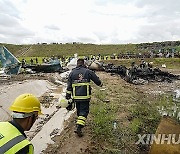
(161, 53)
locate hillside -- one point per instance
(68, 49)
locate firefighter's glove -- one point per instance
(101, 84)
(70, 106)
(68, 96)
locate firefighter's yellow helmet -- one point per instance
(26, 103)
(63, 102)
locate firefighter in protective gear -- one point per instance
(25, 110)
(79, 89)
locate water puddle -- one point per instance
(171, 108)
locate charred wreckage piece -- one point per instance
(140, 75)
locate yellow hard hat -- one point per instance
(63, 102)
(26, 103)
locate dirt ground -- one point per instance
(68, 143)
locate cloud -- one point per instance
(86, 39)
(12, 31)
(8, 8)
(7, 20)
(96, 21)
(11, 27)
(116, 2)
(158, 32)
(162, 20)
(52, 27)
(163, 8)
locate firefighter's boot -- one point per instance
(78, 130)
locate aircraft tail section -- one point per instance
(8, 61)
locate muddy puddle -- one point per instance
(172, 107)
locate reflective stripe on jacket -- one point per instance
(11, 139)
(79, 83)
(81, 90)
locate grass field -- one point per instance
(171, 63)
(47, 50)
(115, 124)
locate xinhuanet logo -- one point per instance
(158, 139)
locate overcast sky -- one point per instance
(89, 21)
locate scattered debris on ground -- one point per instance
(125, 96)
(55, 130)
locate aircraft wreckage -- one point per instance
(136, 74)
(52, 66)
(11, 65)
(141, 74)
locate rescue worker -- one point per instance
(142, 65)
(25, 110)
(31, 61)
(79, 90)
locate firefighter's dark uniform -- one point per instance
(79, 88)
